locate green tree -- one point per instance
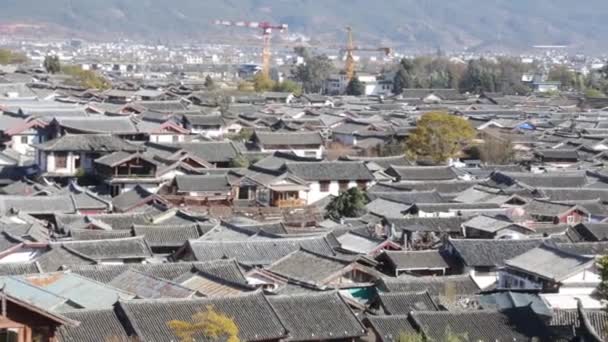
(602, 266)
(350, 203)
(567, 77)
(262, 82)
(448, 336)
(313, 73)
(411, 337)
(51, 64)
(209, 83)
(495, 151)
(355, 87)
(240, 161)
(439, 136)
(245, 86)
(209, 323)
(389, 149)
(591, 92)
(302, 51)
(403, 78)
(11, 57)
(243, 136)
(85, 78)
(288, 86)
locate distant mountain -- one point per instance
(427, 24)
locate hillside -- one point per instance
(407, 23)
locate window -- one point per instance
(324, 186)
(24, 139)
(343, 186)
(174, 138)
(570, 219)
(362, 185)
(61, 160)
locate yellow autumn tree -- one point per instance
(262, 83)
(209, 323)
(439, 136)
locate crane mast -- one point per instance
(266, 28)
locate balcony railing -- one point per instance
(290, 203)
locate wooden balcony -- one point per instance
(290, 203)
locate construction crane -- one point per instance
(350, 63)
(266, 28)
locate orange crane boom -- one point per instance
(266, 28)
(350, 63)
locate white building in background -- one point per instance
(374, 85)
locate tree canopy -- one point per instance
(51, 64)
(209, 83)
(403, 78)
(350, 203)
(494, 151)
(11, 57)
(603, 268)
(313, 73)
(209, 323)
(439, 136)
(262, 82)
(85, 78)
(355, 87)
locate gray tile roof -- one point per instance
(61, 204)
(252, 313)
(549, 262)
(442, 187)
(116, 221)
(213, 152)
(423, 173)
(292, 139)
(95, 326)
(149, 287)
(402, 303)
(436, 286)
(383, 162)
(408, 197)
(257, 252)
(570, 318)
(322, 316)
(59, 256)
(18, 268)
(308, 266)
(490, 253)
(105, 124)
(169, 236)
(330, 171)
(545, 208)
(390, 328)
(512, 325)
(572, 179)
(87, 142)
(95, 234)
(202, 183)
(386, 208)
(416, 260)
(585, 248)
(204, 120)
(130, 198)
(436, 224)
(169, 271)
(487, 224)
(126, 248)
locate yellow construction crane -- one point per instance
(350, 63)
(266, 28)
